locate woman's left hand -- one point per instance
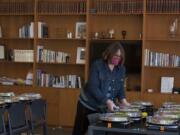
(124, 102)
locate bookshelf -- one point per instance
(13, 16)
(164, 48)
(60, 18)
(53, 24)
(112, 18)
(34, 24)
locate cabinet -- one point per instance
(68, 107)
(49, 29)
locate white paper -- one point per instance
(167, 84)
(80, 58)
(1, 52)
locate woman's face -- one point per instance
(116, 58)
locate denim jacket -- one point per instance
(94, 94)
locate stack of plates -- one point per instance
(10, 97)
(7, 94)
(114, 117)
(167, 117)
(143, 103)
(29, 96)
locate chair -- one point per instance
(37, 109)
(17, 118)
(2, 122)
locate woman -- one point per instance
(105, 85)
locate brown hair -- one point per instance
(111, 50)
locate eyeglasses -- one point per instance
(117, 56)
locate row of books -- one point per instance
(50, 56)
(163, 6)
(16, 7)
(23, 55)
(159, 59)
(63, 81)
(62, 7)
(114, 6)
(27, 31)
(102, 6)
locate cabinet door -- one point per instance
(68, 102)
(52, 97)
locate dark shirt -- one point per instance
(103, 84)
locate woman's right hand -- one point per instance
(110, 105)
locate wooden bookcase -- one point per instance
(60, 17)
(158, 17)
(146, 21)
(109, 17)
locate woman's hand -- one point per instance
(124, 102)
(110, 105)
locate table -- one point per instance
(135, 129)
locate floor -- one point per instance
(59, 131)
(55, 131)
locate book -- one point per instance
(2, 56)
(42, 30)
(39, 53)
(167, 84)
(31, 30)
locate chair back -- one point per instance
(38, 115)
(17, 115)
(38, 110)
(2, 122)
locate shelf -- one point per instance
(32, 88)
(13, 62)
(162, 13)
(71, 39)
(16, 14)
(53, 63)
(115, 39)
(45, 63)
(62, 14)
(159, 93)
(163, 39)
(39, 87)
(15, 38)
(155, 67)
(133, 92)
(116, 14)
(15, 86)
